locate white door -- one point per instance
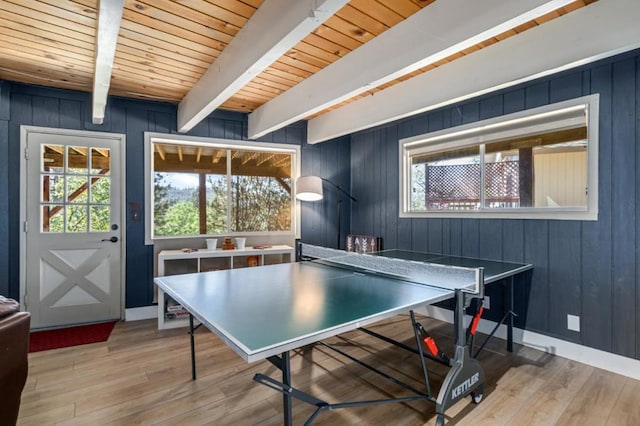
(73, 232)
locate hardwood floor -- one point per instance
(142, 376)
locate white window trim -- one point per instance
(153, 137)
(533, 120)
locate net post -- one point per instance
(480, 282)
(298, 250)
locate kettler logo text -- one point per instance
(464, 386)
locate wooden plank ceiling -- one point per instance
(165, 46)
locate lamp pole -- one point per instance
(339, 202)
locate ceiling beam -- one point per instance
(433, 33)
(109, 18)
(602, 29)
(274, 28)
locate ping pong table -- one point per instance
(265, 312)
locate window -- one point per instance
(75, 186)
(202, 186)
(540, 163)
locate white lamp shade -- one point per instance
(309, 188)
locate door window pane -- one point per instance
(100, 219)
(77, 189)
(52, 158)
(100, 161)
(81, 191)
(77, 160)
(100, 190)
(53, 218)
(52, 188)
(76, 217)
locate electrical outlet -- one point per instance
(486, 303)
(573, 322)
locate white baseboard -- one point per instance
(594, 357)
(143, 313)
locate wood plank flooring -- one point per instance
(142, 376)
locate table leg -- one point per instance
(510, 319)
(193, 347)
(458, 320)
(286, 397)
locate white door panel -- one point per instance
(73, 213)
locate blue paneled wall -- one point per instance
(590, 269)
(320, 219)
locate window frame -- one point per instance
(484, 132)
(174, 139)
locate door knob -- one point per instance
(112, 239)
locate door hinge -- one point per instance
(26, 153)
(25, 226)
(25, 301)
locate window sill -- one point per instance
(552, 214)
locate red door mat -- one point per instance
(70, 336)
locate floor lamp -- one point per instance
(309, 188)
